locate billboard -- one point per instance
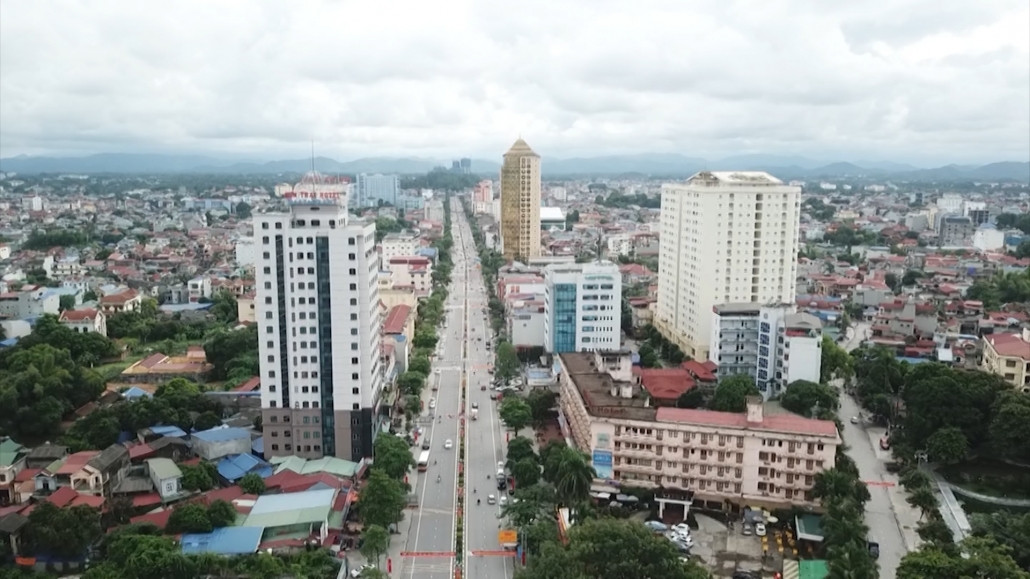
(602, 460)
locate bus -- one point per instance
(423, 461)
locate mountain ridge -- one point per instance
(652, 164)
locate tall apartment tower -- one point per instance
(371, 189)
(582, 307)
(726, 237)
(317, 309)
(520, 203)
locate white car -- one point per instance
(760, 529)
(448, 444)
(500, 466)
(681, 528)
(432, 403)
(437, 370)
(491, 499)
(504, 500)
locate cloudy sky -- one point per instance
(923, 81)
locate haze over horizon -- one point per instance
(919, 82)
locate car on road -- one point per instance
(491, 499)
(874, 550)
(504, 500)
(500, 466)
(854, 420)
(760, 529)
(357, 571)
(425, 443)
(448, 444)
(501, 483)
(432, 403)
(475, 405)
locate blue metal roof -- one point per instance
(136, 392)
(223, 541)
(173, 431)
(233, 467)
(221, 434)
(193, 307)
(257, 446)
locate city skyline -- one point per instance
(941, 83)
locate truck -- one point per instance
(423, 461)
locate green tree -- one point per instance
(207, 420)
(520, 447)
(420, 364)
(515, 413)
(252, 483)
(693, 398)
(392, 456)
(947, 445)
(1010, 426)
(62, 532)
(222, 513)
(506, 365)
(526, 472)
(648, 356)
(189, 518)
(732, 393)
(835, 362)
(611, 549)
(935, 530)
(1012, 530)
(198, 478)
(374, 543)
(541, 402)
(976, 557)
(810, 399)
(381, 500)
(571, 473)
(923, 499)
(66, 302)
(224, 307)
(411, 382)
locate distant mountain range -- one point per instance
(645, 164)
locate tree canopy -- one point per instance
(810, 399)
(732, 393)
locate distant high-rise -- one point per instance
(726, 237)
(317, 310)
(371, 189)
(466, 166)
(520, 202)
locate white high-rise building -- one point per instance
(317, 310)
(582, 307)
(727, 237)
(371, 189)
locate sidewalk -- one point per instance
(908, 517)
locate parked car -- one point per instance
(874, 550)
(425, 443)
(760, 529)
(746, 529)
(504, 500)
(681, 528)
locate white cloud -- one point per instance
(911, 80)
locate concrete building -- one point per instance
(217, 442)
(527, 323)
(987, 238)
(246, 252)
(166, 476)
(956, 231)
(371, 189)
(773, 344)
(319, 340)
(583, 307)
(520, 203)
(752, 458)
(483, 197)
(552, 218)
(85, 320)
(726, 237)
(397, 244)
(1008, 356)
(411, 271)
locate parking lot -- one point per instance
(725, 552)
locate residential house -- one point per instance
(218, 442)
(44, 455)
(85, 321)
(128, 300)
(166, 476)
(109, 463)
(12, 461)
(1008, 356)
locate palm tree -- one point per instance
(572, 475)
(923, 499)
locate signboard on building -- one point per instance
(602, 460)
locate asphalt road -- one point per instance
(433, 523)
(880, 516)
(485, 436)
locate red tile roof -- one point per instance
(78, 315)
(119, 298)
(665, 383)
(250, 385)
(786, 423)
(1010, 345)
(75, 462)
(396, 319)
(699, 370)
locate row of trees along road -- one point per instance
(845, 535)
(600, 544)
(949, 413)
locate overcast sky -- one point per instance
(924, 81)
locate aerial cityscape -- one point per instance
(586, 290)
